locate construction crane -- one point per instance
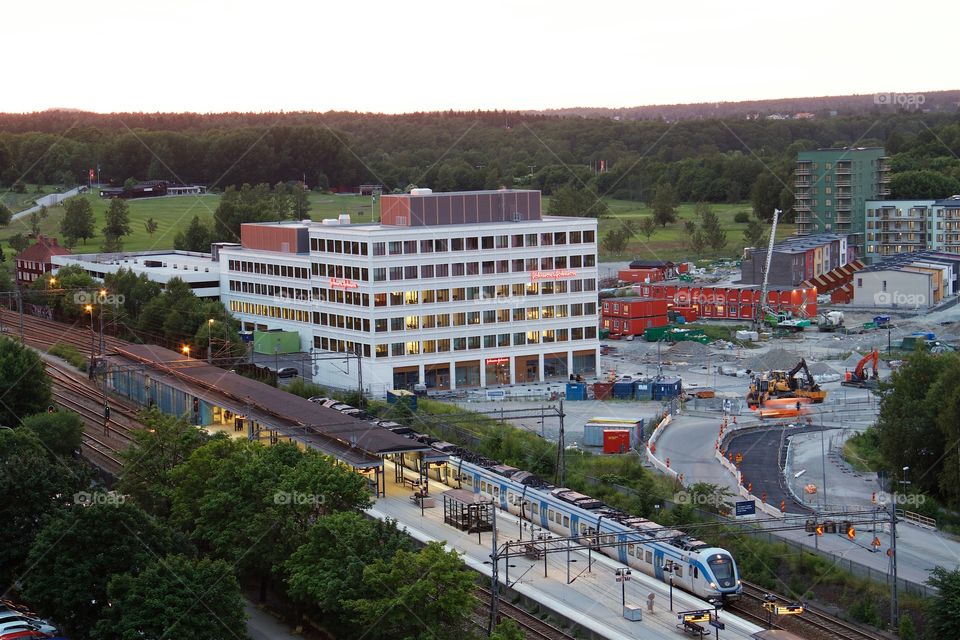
(784, 384)
(858, 377)
(760, 310)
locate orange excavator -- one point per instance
(858, 377)
(784, 384)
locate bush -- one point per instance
(69, 353)
(741, 217)
(305, 389)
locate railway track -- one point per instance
(813, 623)
(533, 627)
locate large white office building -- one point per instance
(451, 290)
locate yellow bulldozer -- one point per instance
(784, 384)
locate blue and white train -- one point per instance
(706, 571)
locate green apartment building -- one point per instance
(832, 187)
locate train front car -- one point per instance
(723, 577)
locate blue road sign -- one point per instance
(746, 508)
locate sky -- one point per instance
(395, 57)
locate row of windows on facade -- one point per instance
(936, 212)
(912, 224)
(442, 245)
(501, 292)
(414, 272)
(269, 269)
(417, 322)
(465, 343)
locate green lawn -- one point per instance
(173, 214)
(20, 201)
(668, 243)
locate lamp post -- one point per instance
(623, 575)
(894, 596)
(186, 350)
(669, 567)
(210, 341)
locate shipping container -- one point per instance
(602, 390)
(643, 390)
(623, 390)
(402, 396)
(576, 391)
(593, 434)
(616, 441)
(666, 389)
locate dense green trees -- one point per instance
(77, 551)
(575, 201)
(705, 159)
(327, 569)
(35, 484)
(59, 432)
(919, 424)
(923, 184)
(24, 386)
(943, 612)
(198, 236)
(426, 594)
(174, 597)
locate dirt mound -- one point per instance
(774, 360)
(688, 352)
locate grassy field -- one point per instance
(19, 201)
(668, 243)
(173, 214)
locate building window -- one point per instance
(396, 248)
(456, 244)
(410, 272)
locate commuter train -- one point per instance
(703, 570)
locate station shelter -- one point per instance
(219, 400)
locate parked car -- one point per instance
(28, 634)
(287, 372)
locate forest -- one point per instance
(711, 160)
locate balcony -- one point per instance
(883, 191)
(803, 218)
(842, 171)
(842, 183)
(803, 169)
(843, 219)
(802, 183)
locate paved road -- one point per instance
(48, 200)
(262, 626)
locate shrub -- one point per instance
(69, 353)
(741, 217)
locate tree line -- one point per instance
(711, 160)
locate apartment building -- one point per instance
(832, 186)
(896, 227)
(449, 290)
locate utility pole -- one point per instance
(20, 309)
(894, 596)
(561, 451)
(359, 377)
(494, 573)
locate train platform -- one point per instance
(592, 600)
(220, 400)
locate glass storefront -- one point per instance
(527, 369)
(497, 371)
(468, 374)
(436, 376)
(585, 363)
(555, 365)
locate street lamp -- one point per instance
(670, 567)
(186, 350)
(623, 575)
(210, 341)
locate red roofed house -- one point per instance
(34, 261)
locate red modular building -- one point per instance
(34, 261)
(636, 276)
(632, 316)
(730, 301)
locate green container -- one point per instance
(604, 334)
(869, 325)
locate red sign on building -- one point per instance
(497, 360)
(343, 284)
(559, 274)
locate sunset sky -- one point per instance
(199, 55)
